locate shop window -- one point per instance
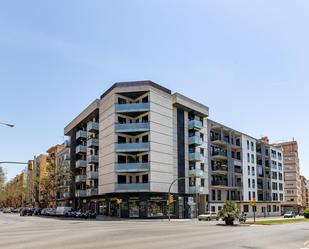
(155, 207)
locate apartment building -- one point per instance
(292, 181)
(127, 147)
(243, 168)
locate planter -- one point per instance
(229, 221)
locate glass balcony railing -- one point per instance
(132, 187)
(219, 154)
(66, 195)
(195, 140)
(67, 143)
(80, 178)
(66, 157)
(93, 142)
(80, 193)
(80, 149)
(92, 191)
(132, 167)
(92, 126)
(195, 124)
(81, 134)
(132, 147)
(92, 175)
(92, 159)
(81, 164)
(196, 173)
(132, 107)
(132, 127)
(219, 183)
(195, 189)
(195, 156)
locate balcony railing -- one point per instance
(66, 195)
(195, 140)
(195, 124)
(196, 173)
(219, 154)
(132, 107)
(80, 149)
(92, 175)
(195, 156)
(81, 134)
(132, 167)
(80, 193)
(219, 168)
(80, 178)
(92, 191)
(66, 157)
(219, 183)
(195, 189)
(92, 142)
(92, 159)
(133, 187)
(132, 147)
(238, 170)
(92, 126)
(81, 164)
(132, 127)
(67, 143)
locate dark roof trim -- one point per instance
(136, 83)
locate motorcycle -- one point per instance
(243, 218)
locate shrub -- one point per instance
(229, 212)
(306, 213)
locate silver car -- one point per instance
(208, 216)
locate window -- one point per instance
(145, 99)
(202, 182)
(248, 170)
(248, 145)
(253, 171)
(213, 195)
(253, 195)
(202, 166)
(137, 179)
(246, 208)
(268, 208)
(219, 195)
(213, 209)
(202, 151)
(121, 179)
(252, 158)
(121, 140)
(145, 158)
(253, 183)
(249, 195)
(145, 178)
(145, 139)
(249, 183)
(252, 146)
(248, 157)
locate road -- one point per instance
(49, 233)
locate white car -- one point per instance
(208, 216)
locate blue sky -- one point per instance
(247, 60)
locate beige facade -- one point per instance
(292, 181)
(304, 192)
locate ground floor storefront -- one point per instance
(143, 205)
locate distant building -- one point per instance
(305, 192)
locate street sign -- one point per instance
(253, 202)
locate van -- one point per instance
(63, 211)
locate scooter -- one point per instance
(243, 218)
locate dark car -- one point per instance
(25, 211)
(37, 211)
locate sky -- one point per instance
(247, 60)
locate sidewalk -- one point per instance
(109, 218)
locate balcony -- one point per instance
(222, 183)
(92, 175)
(80, 193)
(81, 164)
(132, 108)
(132, 167)
(195, 124)
(132, 147)
(238, 170)
(133, 187)
(80, 149)
(219, 169)
(196, 173)
(195, 189)
(67, 143)
(92, 127)
(66, 157)
(216, 139)
(195, 140)
(66, 195)
(195, 156)
(132, 127)
(219, 155)
(92, 159)
(81, 135)
(92, 191)
(92, 142)
(80, 178)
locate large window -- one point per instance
(155, 207)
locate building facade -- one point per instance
(292, 181)
(305, 192)
(242, 169)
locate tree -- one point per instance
(306, 213)
(229, 213)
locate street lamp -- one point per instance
(9, 125)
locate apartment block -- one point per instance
(131, 144)
(243, 168)
(292, 181)
(305, 192)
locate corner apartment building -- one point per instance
(243, 168)
(305, 192)
(292, 181)
(130, 144)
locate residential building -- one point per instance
(292, 181)
(127, 147)
(305, 192)
(243, 169)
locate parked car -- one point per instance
(37, 211)
(289, 214)
(51, 212)
(26, 211)
(208, 216)
(63, 211)
(7, 210)
(16, 210)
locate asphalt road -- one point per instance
(48, 233)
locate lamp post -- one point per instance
(6, 124)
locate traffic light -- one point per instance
(30, 164)
(170, 200)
